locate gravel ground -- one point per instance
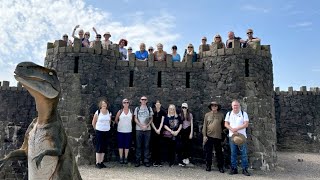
(289, 167)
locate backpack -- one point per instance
(230, 113)
(139, 110)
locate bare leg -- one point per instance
(126, 152)
(120, 153)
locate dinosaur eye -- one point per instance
(50, 73)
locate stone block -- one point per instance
(277, 90)
(236, 50)
(197, 64)
(189, 60)
(97, 47)
(84, 49)
(235, 43)
(221, 52)
(77, 44)
(50, 51)
(290, 90)
(69, 49)
(132, 57)
(254, 45)
(13, 88)
(104, 52)
(123, 63)
(50, 45)
(62, 49)
(169, 60)
(179, 64)
(5, 83)
(265, 47)
(91, 50)
(151, 57)
(141, 63)
(303, 88)
(19, 85)
(150, 63)
(162, 64)
(229, 51)
(60, 43)
(204, 47)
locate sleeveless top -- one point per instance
(103, 121)
(125, 122)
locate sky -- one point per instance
(291, 27)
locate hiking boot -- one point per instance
(221, 170)
(125, 161)
(137, 164)
(147, 164)
(98, 166)
(102, 165)
(121, 161)
(155, 164)
(245, 172)
(233, 171)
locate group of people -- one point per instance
(170, 132)
(159, 55)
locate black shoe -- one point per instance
(233, 171)
(155, 165)
(125, 161)
(160, 164)
(245, 172)
(102, 165)
(146, 164)
(170, 164)
(98, 166)
(121, 161)
(208, 168)
(221, 170)
(137, 164)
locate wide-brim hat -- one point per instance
(107, 33)
(125, 42)
(238, 139)
(214, 103)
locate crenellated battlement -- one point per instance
(303, 91)
(5, 86)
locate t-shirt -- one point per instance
(103, 121)
(212, 124)
(124, 53)
(141, 55)
(125, 122)
(173, 122)
(160, 56)
(185, 122)
(105, 44)
(157, 116)
(176, 58)
(143, 116)
(236, 120)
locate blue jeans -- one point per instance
(234, 155)
(142, 141)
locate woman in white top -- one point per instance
(124, 121)
(101, 123)
(123, 50)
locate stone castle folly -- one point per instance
(87, 74)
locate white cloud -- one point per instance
(250, 7)
(27, 26)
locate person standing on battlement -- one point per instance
(160, 54)
(232, 37)
(236, 122)
(81, 36)
(204, 46)
(175, 56)
(86, 41)
(106, 42)
(218, 41)
(68, 41)
(190, 51)
(98, 38)
(150, 50)
(123, 50)
(142, 55)
(251, 40)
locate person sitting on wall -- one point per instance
(150, 50)
(98, 38)
(175, 55)
(236, 122)
(190, 51)
(204, 46)
(218, 41)
(86, 41)
(160, 55)
(122, 49)
(106, 42)
(251, 41)
(68, 41)
(129, 51)
(232, 37)
(142, 55)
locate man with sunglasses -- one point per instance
(232, 37)
(143, 119)
(98, 38)
(211, 131)
(68, 41)
(204, 46)
(251, 41)
(80, 33)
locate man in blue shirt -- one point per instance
(142, 55)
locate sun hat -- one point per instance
(238, 139)
(184, 105)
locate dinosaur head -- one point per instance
(39, 79)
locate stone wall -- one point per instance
(298, 119)
(221, 74)
(17, 110)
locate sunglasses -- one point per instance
(184, 107)
(65, 36)
(249, 33)
(150, 49)
(190, 47)
(87, 34)
(98, 37)
(143, 99)
(125, 103)
(203, 39)
(130, 49)
(218, 37)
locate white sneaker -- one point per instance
(186, 161)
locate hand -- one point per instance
(77, 26)
(205, 139)
(38, 159)
(158, 132)
(234, 130)
(190, 136)
(94, 29)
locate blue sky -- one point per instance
(290, 27)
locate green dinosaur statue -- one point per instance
(45, 143)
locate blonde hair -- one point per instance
(173, 107)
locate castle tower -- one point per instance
(86, 74)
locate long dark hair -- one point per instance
(188, 115)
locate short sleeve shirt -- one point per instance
(173, 122)
(236, 120)
(143, 115)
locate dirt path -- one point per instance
(288, 168)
